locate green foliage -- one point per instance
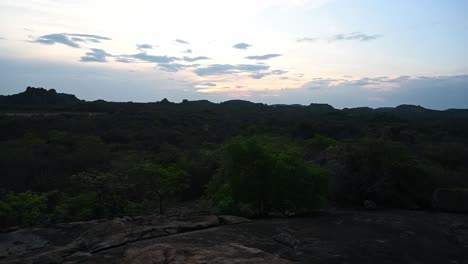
(383, 171)
(263, 174)
(24, 208)
(81, 207)
(317, 144)
(164, 182)
(406, 156)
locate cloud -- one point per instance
(52, 39)
(181, 41)
(260, 75)
(355, 36)
(205, 85)
(263, 57)
(278, 72)
(187, 51)
(87, 36)
(220, 69)
(143, 56)
(144, 46)
(165, 63)
(95, 55)
(1, 38)
(174, 67)
(195, 58)
(242, 46)
(68, 39)
(307, 39)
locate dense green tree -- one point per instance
(383, 171)
(264, 174)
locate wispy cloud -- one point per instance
(187, 51)
(242, 46)
(355, 36)
(260, 75)
(195, 58)
(95, 55)
(144, 57)
(144, 46)
(68, 39)
(359, 36)
(181, 41)
(307, 39)
(205, 85)
(263, 57)
(163, 62)
(174, 67)
(220, 69)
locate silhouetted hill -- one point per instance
(321, 107)
(49, 100)
(39, 97)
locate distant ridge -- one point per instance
(43, 99)
(39, 97)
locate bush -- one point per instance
(24, 208)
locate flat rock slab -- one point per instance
(345, 236)
(232, 219)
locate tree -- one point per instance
(264, 174)
(165, 182)
(383, 171)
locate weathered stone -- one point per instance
(342, 236)
(286, 239)
(45, 259)
(232, 220)
(182, 253)
(20, 242)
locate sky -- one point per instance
(347, 53)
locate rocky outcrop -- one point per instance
(39, 96)
(340, 236)
(174, 253)
(82, 239)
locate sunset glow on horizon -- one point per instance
(346, 53)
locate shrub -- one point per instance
(25, 208)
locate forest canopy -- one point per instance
(76, 160)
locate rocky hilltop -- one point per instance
(39, 97)
(199, 237)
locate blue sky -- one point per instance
(344, 52)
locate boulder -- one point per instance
(452, 200)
